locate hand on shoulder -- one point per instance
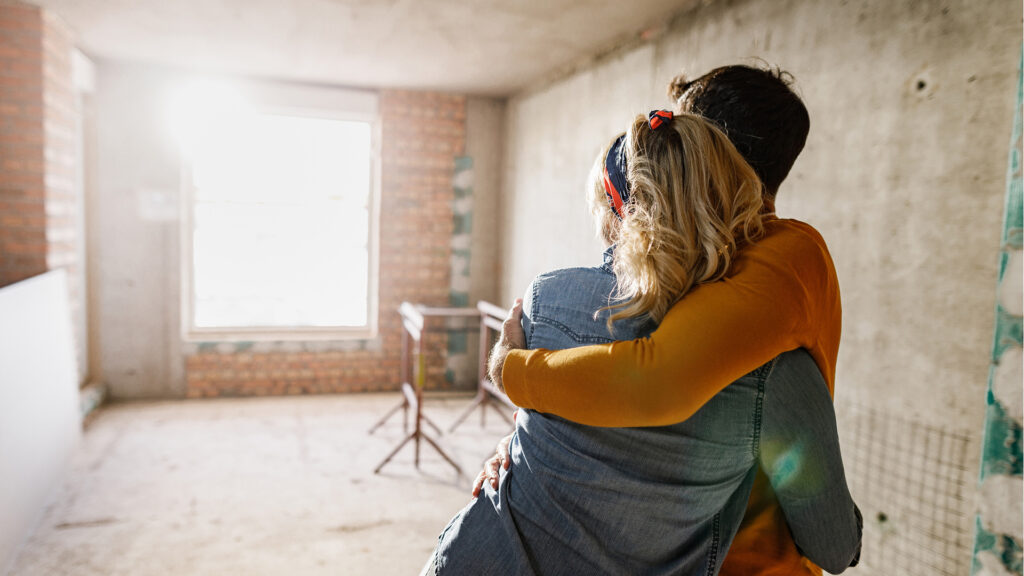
(512, 338)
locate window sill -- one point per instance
(279, 334)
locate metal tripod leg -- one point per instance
(432, 425)
(414, 434)
(442, 452)
(403, 405)
(482, 400)
(479, 399)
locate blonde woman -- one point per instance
(674, 201)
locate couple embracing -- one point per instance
(676, 401)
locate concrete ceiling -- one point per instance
(492, 47)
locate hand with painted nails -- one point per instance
(512, 338)
(491, 466)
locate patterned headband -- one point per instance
(616, 185)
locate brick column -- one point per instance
(39, 111)
(23, 245)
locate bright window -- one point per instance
(279, 215)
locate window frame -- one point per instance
(309, 102)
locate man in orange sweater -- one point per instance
(781, 294)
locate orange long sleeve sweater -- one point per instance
(781, 294)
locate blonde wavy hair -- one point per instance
(693, 202)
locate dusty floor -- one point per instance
(255, 486)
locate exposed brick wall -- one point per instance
(39, 224)
(23, 247)
(421, 135)
(61, 177)
(60, 148)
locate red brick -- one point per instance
(13, 23)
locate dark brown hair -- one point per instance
(758, 111)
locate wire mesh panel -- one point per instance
(912, 483)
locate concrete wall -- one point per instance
(903, 174)
(133, 228)
(39, 419)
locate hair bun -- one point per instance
(677, 87)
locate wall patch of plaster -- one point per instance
(460, 367)
(998, 531)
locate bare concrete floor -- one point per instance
(255, 486)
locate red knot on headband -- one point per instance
(658, 118)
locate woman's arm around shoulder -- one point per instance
(771, 302)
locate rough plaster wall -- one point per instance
(134, 229)
(485, 127)
(903, 174)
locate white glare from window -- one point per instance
(280, 223)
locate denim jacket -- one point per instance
(665, 500)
